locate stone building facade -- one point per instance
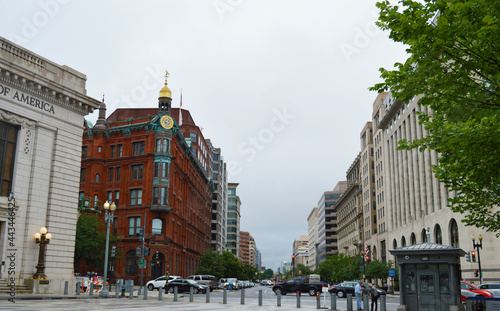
(42, 109)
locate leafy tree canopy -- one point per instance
(338, 268)
(454, 69)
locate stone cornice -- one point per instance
(16, 119)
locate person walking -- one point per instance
(357, 292)
(374, 295)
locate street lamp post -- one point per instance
(478, 246)
(109, 211)
(42, 238)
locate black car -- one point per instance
(344, 288)
(184, 285)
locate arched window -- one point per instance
(424, 236)
(157, 227)
(454, 233)
(413, 239)
(403, 241)
(438, 235)
(97, 177)
(394, 244)
(131, 267)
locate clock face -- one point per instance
(167, 122)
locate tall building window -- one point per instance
(117, 197)
(119, 151)
(160, 195)
(454, 234)
(438, 235)
(113, 151)
(157, 226)
(138, 148)
(97, 176)
(134, 226)
(110, 196)
(110, 174)
(137, 171)
(118, 173)
(83, 173)
(162, 145)
(85, 150)
(8, 140)
(131, 267)
(135, 197)
(160, 169)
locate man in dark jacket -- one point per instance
(374, 295)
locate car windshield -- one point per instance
(231, 280)
(192, 282)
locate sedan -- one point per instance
(344, 288)
(184, 285)
(469, 290)
(494, 288)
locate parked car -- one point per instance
(298, 284)
(160, 282)
(208, 280)
(469, 290)
(233, 282)
(184, 285)
(493, 288)
(347, 287)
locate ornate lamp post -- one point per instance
(109, 211)
(41, 238)
(478, 246)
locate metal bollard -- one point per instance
(130, 291)
(175, 293)
(78, 287)
(242, 296)
(207, 294)
(91, 289)
(318, 301)
(279, 299)
(298, 299)
(66, 287)
(382, 303)
(366, 303)
(117, 289)
(224, 296)
(190, 294)
(145, 293)
(333, 299)
(160, 293)
(260, 297)
(349, 302)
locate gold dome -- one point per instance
(165, 91)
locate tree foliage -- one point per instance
(378, 270)
(210, 263)
(303, 270)
(454, 67)
(267, 274)
(225, 265)
(90, 242)
(338, 268)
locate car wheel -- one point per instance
(340, 294)
(195, 290)
(278, 291)
(171, 290)
(151, 287)
(312, 291)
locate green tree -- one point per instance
(231, 266)
(211, 264)
(249, 272)
(90, 242)
(303, 270)
(378, 270)
(454, 65)
(338, 268)
(268, 273)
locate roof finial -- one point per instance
(165, 91)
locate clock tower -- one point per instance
(165, 99)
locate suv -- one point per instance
(208, 280)
(160, 282)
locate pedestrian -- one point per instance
(386, 287)
(375, 295)
(357, 292)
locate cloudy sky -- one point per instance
(280, 85)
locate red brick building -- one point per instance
(156, 172)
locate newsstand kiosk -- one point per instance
(429, 277)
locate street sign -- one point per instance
(142, 263)
(392, 273)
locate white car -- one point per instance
(494, 288)
(160, 282)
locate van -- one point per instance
(208, 280)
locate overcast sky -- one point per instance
(281, 86)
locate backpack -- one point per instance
(375, 292)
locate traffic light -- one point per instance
(367, 258)
(146, 251)
(138, 252)
(476, 274)
(113, 251)
(473, 254)
(467, 256)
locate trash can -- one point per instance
(230, 286)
